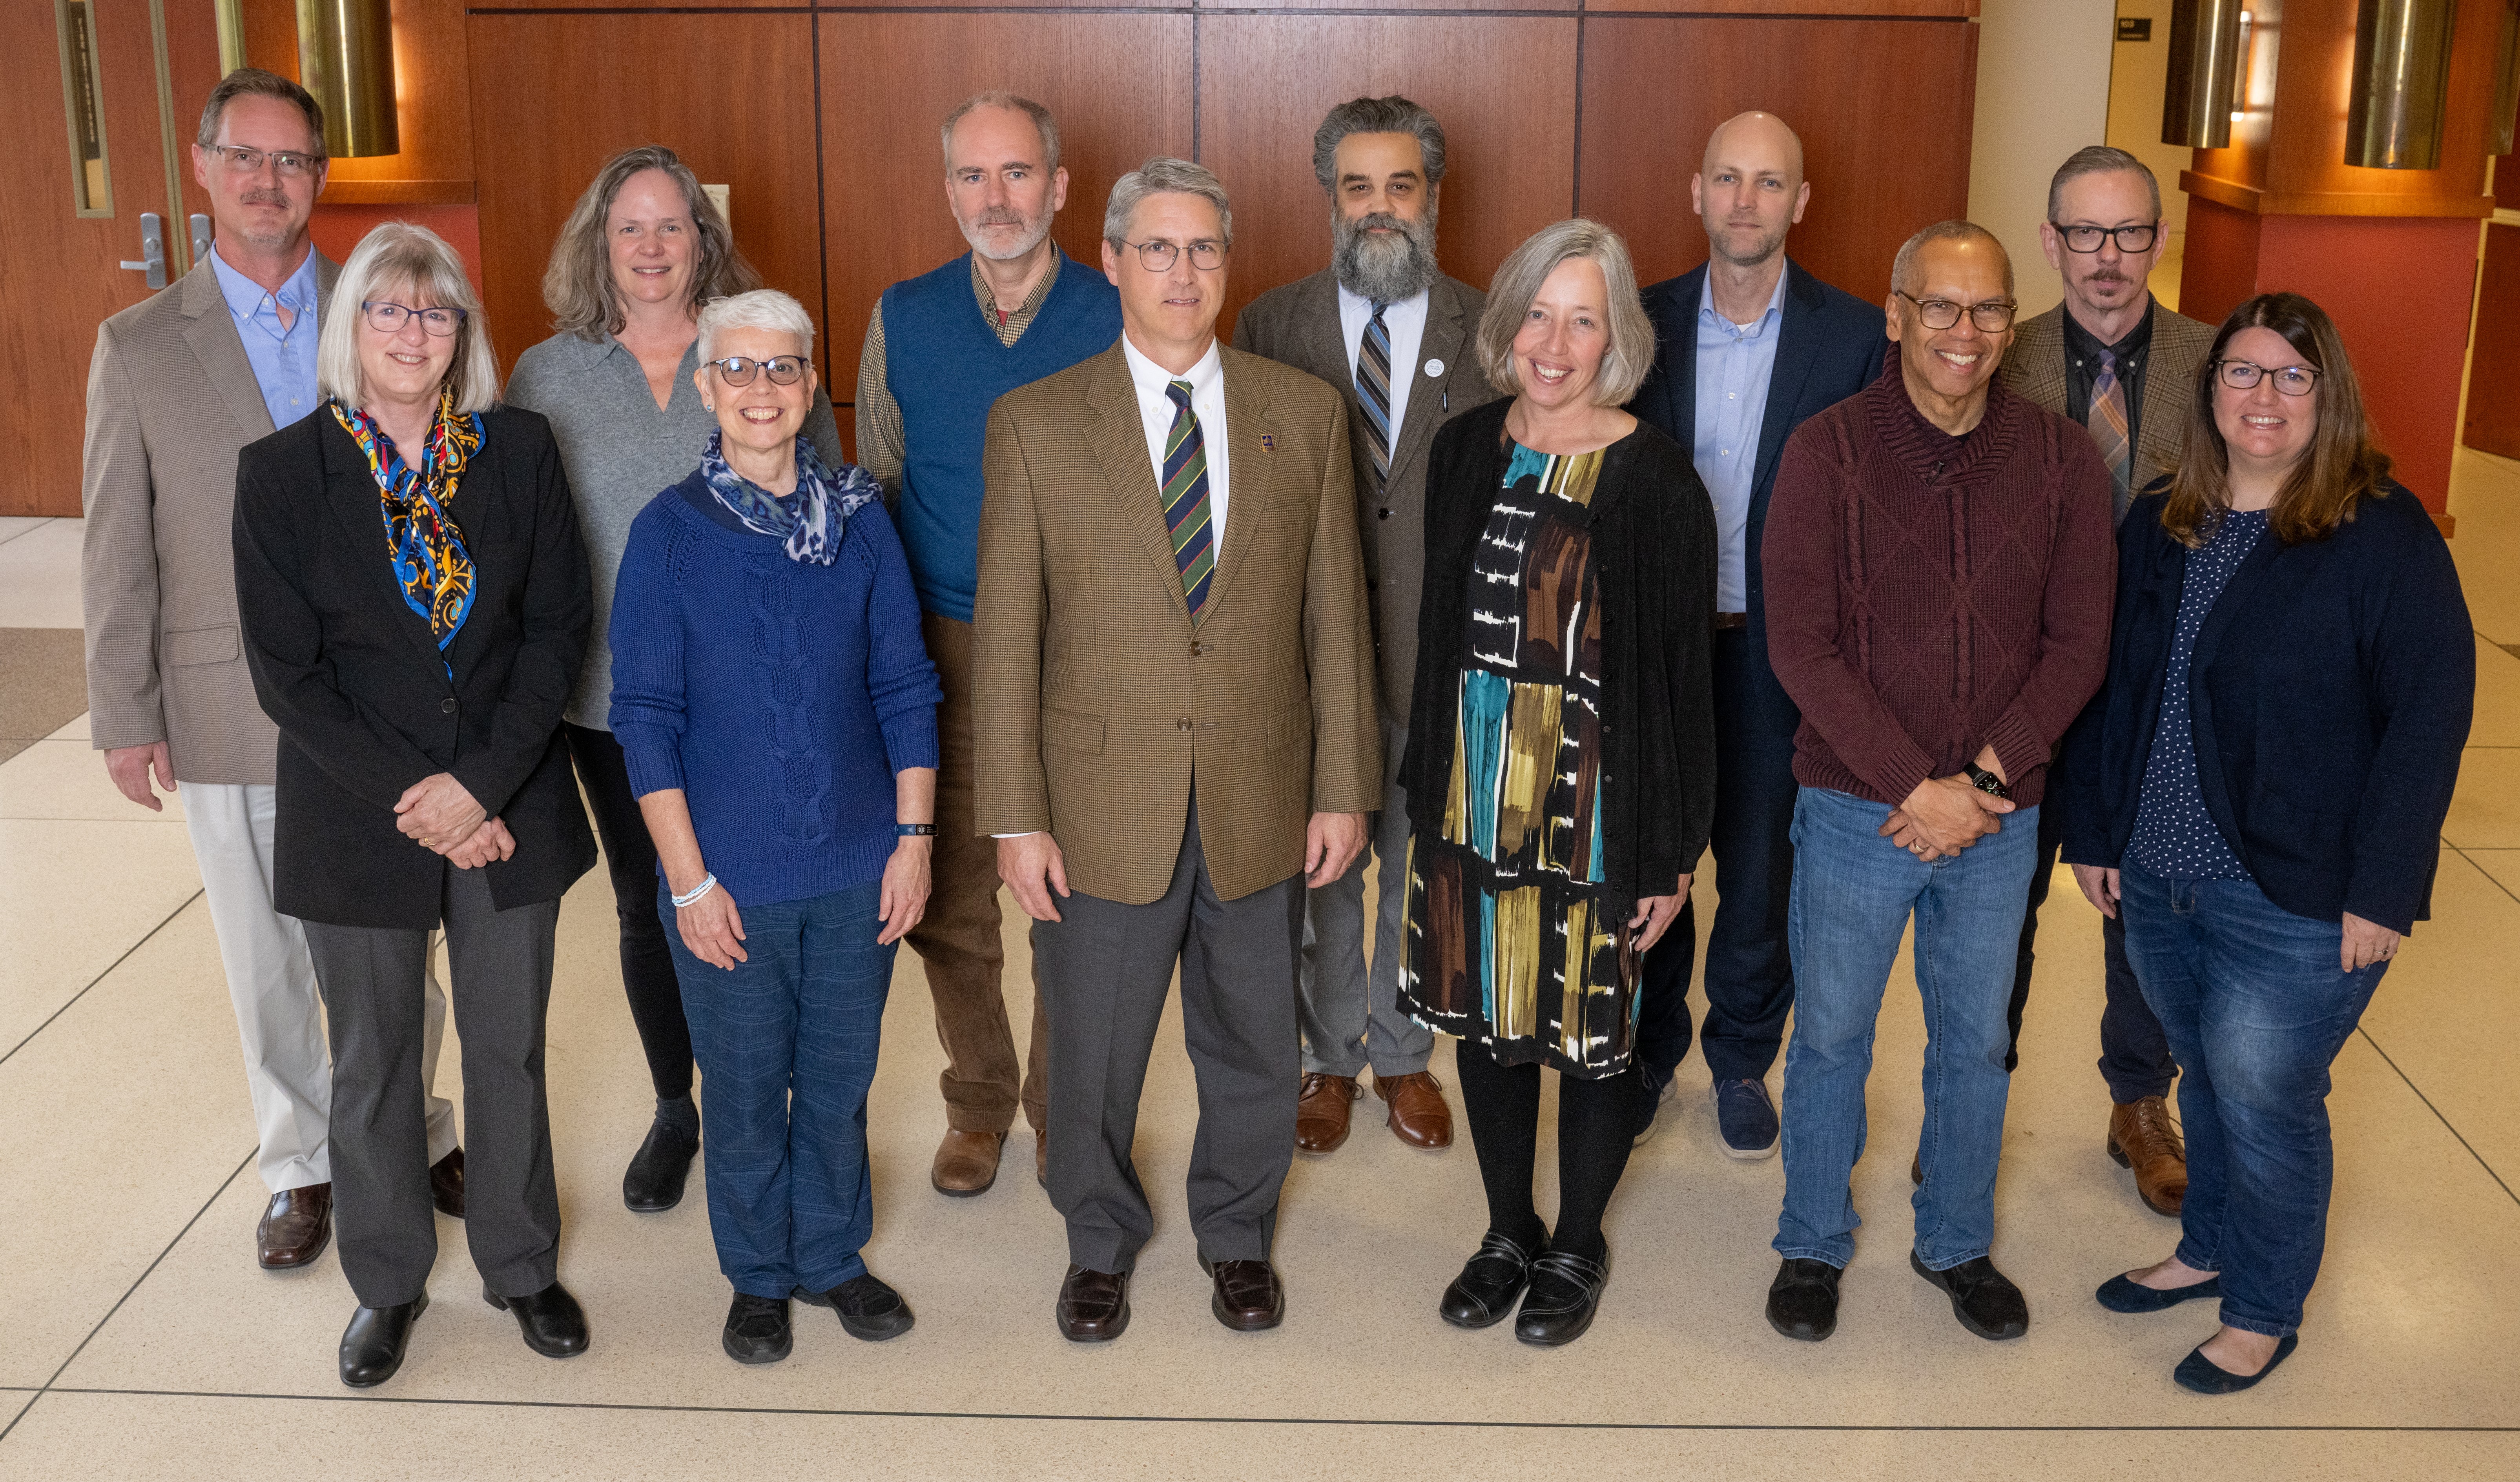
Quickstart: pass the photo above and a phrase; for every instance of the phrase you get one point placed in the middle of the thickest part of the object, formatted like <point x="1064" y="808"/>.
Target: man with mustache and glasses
<point x="939" y="350"/>
<point x="1386" y="325"/>
<point x="2113" y="359"/>
<point x="1749" y="346"/>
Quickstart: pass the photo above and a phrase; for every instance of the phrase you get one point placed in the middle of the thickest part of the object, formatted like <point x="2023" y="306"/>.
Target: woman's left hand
<point x="905" y="887"/>
<point x="2365" y="943"/>
<point x="1655" y="914"/>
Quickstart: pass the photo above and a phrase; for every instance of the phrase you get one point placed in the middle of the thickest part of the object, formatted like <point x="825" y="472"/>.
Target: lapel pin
<point x="1434" y="367"/>
<point x="1269" y="443"/>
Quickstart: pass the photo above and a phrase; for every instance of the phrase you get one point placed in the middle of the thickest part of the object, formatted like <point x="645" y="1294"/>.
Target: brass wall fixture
<point x="345" y="58"/>
<point x="2507" y="83"/>
<point x="2401" y="83"/>
<point x="2204" y="74"/>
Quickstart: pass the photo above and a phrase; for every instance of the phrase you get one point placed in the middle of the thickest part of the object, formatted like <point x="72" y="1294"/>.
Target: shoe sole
<point x="963" y="1194"/>
<point x="1991" y="1335"/>
<point x="867" y="1334"/>
<point x="1821" y="1336"/>
<point x="637" y="1208"/>
<point x="787" y="1346"/>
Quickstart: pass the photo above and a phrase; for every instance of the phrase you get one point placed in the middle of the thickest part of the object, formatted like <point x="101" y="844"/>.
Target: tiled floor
<point x="138" y="1340"/>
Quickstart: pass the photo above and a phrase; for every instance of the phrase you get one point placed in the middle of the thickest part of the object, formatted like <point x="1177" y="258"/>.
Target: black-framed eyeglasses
<point x="246" y="162"/>
<point x="1992" y="315"/>
<point x="1159" y="256"/>
<point x="388" y="318"/>
<point x="738" y="370"/>
<point x="2244" y="375"/>
<point x="2087" y="239"/>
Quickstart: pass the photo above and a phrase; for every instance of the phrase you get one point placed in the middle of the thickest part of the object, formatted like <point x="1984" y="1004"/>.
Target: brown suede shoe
<point x="1418" y="1115"/>
<point x="295" y="1227"/>
<point x="966" y="1163"/>
<point x="1093" y="1305"/>
<point x="1321" y="1111"/>
<point x="446" y="1184"/>
<point x="2142" y="1138"/>
<point x="1249" y="1296"/>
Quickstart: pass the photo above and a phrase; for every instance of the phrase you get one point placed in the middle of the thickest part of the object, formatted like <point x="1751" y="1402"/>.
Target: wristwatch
<point x="1987" y="781"/>
<point x="913" y="831"/>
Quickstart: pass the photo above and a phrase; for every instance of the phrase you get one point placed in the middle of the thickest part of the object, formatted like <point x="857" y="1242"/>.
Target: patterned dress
<point x="1511" y="939"/>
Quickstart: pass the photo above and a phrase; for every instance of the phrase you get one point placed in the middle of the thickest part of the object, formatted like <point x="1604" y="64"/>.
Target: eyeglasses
<point x="388" y="318"/>
<point x="2244" y="375"/>
<point x="737" y="371"/>
<point x="2087" y="239"/>
<point x="292" y="165"/>
<point x="1159" y="256"/>
<point x="1992" y="315"/>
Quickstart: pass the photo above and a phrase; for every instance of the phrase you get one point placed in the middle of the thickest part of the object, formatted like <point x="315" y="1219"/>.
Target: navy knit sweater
<point x="780" y="696"/>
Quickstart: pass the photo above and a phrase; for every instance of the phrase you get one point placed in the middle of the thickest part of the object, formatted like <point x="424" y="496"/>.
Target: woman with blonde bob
<point x="2260" y="788"/>
<point x="413" y="600"/>
<point x="1567" y="632"/>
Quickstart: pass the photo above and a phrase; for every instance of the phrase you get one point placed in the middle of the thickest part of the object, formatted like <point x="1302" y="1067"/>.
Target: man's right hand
<point x="1945" y="815"/>
<point x="130" y="766"/>
<point x="1032" y="867"/>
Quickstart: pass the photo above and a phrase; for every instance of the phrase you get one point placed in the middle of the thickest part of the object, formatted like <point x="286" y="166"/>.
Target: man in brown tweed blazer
<point x="1175" y="722"/>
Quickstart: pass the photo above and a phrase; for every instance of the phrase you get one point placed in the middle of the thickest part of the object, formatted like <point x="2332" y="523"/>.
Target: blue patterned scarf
<point x="810" y="520"/>
<point x="430" y="565"/>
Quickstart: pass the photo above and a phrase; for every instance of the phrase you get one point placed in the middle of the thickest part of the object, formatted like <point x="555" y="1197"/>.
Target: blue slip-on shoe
<point x="1745" y="1120"/>
<point x="2120" y="1294"/>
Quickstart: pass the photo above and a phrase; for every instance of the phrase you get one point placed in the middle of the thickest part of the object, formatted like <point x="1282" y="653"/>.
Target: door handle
<point x="152" y="249"/>
<point x="200" y="226"/>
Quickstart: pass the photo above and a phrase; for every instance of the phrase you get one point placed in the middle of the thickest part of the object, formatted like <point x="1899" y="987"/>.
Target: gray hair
<point x="1518" y="281"/>
<point x="1160" y="176"/>
<point x="254" y="82"/>
<point x="999" y="98"/>
<point x="1394" y="115"/>
<point x="579" y="287"/>
<point x="395" y="254"/>
<point x="2100" y="159"/>
<point x="761" y="309"/>
<point x="1904" y="266"/>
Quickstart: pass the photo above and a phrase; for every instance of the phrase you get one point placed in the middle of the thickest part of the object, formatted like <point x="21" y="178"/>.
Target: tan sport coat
<point x="1096" y="703"/>
<point x="2035" y="368"/>
<point x="170" y="400"/>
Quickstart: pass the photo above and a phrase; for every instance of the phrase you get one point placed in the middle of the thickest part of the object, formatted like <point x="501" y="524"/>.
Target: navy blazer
<point x="2329" y="699"/>
<point x="1830" y="346"/>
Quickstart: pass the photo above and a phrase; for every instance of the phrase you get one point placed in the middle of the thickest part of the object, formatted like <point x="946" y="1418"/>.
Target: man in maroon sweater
<point x="1938" y="594"/>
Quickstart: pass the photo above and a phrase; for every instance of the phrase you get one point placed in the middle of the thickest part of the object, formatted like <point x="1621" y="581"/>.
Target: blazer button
<point x="1383" y="514"/>
<point x="446" y="707"/>
<point x="1182" y="724"/>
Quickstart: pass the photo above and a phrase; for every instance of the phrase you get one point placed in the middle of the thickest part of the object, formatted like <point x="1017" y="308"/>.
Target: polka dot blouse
<point x="2174" y="835"/>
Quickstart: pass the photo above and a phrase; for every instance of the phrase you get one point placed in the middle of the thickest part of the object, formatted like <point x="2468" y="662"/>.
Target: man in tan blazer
<point x="2116" y="361"/>
<point x="1175" y="721"/>
<point x="178" y="386"/>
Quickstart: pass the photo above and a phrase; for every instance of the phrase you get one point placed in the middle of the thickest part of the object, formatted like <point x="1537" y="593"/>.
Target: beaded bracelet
<point x="698" y="890"/>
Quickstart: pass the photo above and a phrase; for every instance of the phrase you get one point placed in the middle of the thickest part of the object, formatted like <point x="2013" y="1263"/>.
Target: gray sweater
<point x="620" y="452"/>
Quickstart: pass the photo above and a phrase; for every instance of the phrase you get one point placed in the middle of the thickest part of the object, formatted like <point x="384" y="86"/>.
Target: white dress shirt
<point x="1207" y="399"/>
<point x="1406" y="319"/>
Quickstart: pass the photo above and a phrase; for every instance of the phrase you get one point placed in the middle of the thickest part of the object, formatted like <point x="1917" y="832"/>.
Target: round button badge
<point x="1434" y="367"/>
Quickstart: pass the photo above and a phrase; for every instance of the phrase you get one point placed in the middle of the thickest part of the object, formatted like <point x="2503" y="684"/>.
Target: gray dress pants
<point x="500" y="971"/>
<point x="1104" y="970"/>
<point x="1351" y="1014"/>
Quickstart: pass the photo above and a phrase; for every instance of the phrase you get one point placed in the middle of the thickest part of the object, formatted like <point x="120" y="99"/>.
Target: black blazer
<point x="2329" y="699"/>
<point x="355" y="680"/>
<point x="1654" y="555"/>
<point x="1830" y="345"/>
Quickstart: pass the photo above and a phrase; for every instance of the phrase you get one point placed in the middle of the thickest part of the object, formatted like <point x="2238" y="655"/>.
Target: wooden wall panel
<point x="1503" y="87"/>
<point x="1885" y="132"/>
<point x="2493" y="422"/>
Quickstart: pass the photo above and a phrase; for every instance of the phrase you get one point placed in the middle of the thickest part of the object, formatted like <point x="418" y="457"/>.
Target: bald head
<point x="1756" y="138"/>
<point x="1749" y="191"/>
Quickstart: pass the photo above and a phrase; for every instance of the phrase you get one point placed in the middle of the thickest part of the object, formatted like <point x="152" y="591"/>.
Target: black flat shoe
<point x="1484" y="1293"/>
<point x="373" y="1345"/>
<point x="2119" y="1294"/>
<point x="868" y="1308"/>
<point x="1983" y="1298"/>
<point x="552" y="1323"/>
<point x="757" y="1329"/>
<point x="2201" y="1375"/>
<point x="1802" y="1302"/>
<point x="655" y="1182"/>
<point x="1566" y="1292"/>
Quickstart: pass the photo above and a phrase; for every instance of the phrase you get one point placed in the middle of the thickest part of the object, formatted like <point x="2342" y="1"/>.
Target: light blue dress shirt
<point x="283" y="359"/>
<point x="1734" y="362"/>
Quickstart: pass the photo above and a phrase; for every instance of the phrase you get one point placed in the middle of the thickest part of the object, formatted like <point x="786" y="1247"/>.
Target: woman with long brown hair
<point x="2259" y="789"/>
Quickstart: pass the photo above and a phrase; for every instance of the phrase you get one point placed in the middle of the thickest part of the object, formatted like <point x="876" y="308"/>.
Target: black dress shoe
<point x="372" y="1346"/>
<point x="1983" y="1298"/>
<point x="757" y="1329"/>
<point x="655" y="1182"/>
<point x="1093" y="1305"/>
<point x="2119" y="1294"/>
<point x="1566" y="1292"/>
<point x="868" y="1308"/>
<point x="1802" y="1302"/>
<point x="1247" y="1295"/>
<point x="446" y="1184"/>
<point x="1490" y="1284"/>
<point x="552" y="1323"/>
<point x="2203" y="1376"/>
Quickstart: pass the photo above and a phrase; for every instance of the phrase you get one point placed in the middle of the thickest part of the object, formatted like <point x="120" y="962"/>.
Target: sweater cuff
<point x="2017" y="747"/>
<point x="655" y="765"/>
<point x="1900" y="771"/>
<point x="909" y="740"/>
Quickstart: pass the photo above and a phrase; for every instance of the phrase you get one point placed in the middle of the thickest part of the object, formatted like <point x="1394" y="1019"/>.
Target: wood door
<point x="2492" y="424"/>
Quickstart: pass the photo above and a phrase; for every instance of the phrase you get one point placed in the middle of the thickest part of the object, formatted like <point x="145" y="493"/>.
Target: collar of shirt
<point x="1405" y="319"/>
<point x="252" y="304"/>
<point x="1009" y="328"/>
<point x="2082" y="346"/>
<point x="1207" y="400"/>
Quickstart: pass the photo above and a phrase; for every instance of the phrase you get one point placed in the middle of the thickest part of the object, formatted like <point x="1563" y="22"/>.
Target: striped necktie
<point x="2108" y="424"/>
<point x="1373" y="392"/>
<point x="1186" y="499"/>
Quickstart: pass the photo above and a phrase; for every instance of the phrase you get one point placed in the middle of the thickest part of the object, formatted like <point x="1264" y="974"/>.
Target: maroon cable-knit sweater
<point x="1928" y="595"/>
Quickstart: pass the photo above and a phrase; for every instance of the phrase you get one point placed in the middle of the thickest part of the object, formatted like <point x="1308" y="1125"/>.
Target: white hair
<point x="401" y="257"/>
<point x="761" y="309"/>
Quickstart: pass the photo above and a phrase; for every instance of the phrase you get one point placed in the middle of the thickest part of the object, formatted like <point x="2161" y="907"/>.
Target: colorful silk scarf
<point x="430" y="565"/>
<point x="810" y="520"/>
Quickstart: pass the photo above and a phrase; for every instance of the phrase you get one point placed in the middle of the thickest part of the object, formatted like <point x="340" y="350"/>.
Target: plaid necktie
<point x="1186" y="499"/>
<point x="2108" y="424"/>
<point x="1373" y="392"/>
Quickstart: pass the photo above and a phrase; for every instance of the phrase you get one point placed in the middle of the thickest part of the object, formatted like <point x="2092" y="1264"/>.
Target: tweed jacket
<point x="2035" y="368"/>
<point x="170" y="400"/>
<point x="1100" y="710"/>
<point x="1298" y="325"/>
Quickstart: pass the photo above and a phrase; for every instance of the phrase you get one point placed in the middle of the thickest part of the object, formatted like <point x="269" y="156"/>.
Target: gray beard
<point x="1032" y="238"/>
<point x="1383" y="269"/>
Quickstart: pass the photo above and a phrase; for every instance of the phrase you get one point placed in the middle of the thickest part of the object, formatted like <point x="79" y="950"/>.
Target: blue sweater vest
<point x="945" y="368"/>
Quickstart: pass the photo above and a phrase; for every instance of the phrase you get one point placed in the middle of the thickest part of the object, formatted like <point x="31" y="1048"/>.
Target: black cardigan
<point x="2329" y="699"/>
<point x="355" y="680"/>
<point x="1653" y="558"/>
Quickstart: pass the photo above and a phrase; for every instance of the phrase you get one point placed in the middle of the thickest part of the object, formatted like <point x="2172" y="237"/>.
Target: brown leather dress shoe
<point x="1249" y="1296"/>
<point x="1093" y="1305"/>
<point x="295" y="1227"/>
<point x="1418" y="1115"/>
<point x="2142" y="1138"/>
<point x="966" y="1163"/>
<point x="446" y="1184"/>
<point x="1321" y="1111"/>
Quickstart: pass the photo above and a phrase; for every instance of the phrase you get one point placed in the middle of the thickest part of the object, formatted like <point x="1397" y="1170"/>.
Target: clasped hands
<point x="440" y="813"/>
<point x="1033" y="866"/>
<point x="1945" y="815"/>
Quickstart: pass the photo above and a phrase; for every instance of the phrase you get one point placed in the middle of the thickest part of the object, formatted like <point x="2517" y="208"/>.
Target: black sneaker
<point x="757" y="1329"/>
<point x="1802" y="1302"/>
<point x="1983" y="1298"/>
<point x="868" y="1308"/>
<point x="1490" y="1284"/>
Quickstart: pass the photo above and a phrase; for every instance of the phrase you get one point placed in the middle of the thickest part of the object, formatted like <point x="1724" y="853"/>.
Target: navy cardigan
<point x="2330" y="694"/>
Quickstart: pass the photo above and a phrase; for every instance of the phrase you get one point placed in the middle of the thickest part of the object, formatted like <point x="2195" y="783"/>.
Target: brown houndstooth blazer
<point x="2035" y="368"/>
<point x="1096" y="703"/>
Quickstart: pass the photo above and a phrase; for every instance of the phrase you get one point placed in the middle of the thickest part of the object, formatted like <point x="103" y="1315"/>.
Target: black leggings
<point x="1597" y="1125"/>
<point x="646" y="964"/>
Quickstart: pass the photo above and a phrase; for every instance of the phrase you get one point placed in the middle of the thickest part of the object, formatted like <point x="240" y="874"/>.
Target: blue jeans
<point x="2257" y="1009"/>
<point x="1853" y="894"/>
<point x="787" y="1050"/>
